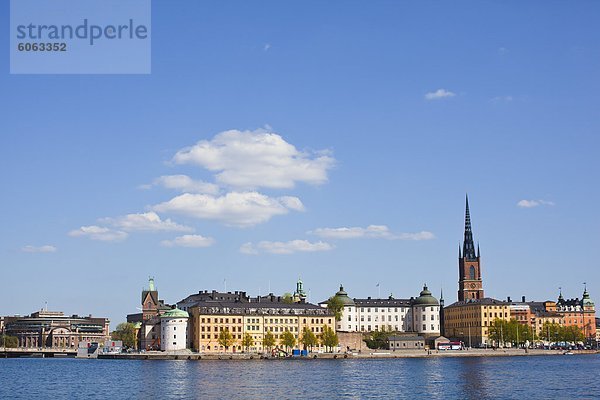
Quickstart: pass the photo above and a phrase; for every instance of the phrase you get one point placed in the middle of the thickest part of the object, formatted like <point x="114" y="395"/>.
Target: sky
<point x="328" y="141"/>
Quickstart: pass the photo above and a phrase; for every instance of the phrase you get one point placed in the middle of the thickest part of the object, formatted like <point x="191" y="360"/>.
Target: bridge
<point x="43" y="352"/>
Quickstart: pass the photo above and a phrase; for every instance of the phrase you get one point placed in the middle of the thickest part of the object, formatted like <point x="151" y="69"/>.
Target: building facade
<point x="420" y="315"/>
<point x="54" y="329"/>
<point x="174" y="326"/>
<point x="240" y="314"/>
<point x="576" y="312"/>
<point x="148" y="321"/>
<point x="469" y="319"/>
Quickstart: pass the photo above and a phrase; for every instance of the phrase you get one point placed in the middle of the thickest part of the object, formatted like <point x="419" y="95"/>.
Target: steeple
<point x="468" y="246"/>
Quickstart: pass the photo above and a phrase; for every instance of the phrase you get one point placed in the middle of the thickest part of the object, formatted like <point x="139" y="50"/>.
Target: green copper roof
<point x="343" y="296"/>
<point x="175" y="313"/>
<point x="425" y="298"/>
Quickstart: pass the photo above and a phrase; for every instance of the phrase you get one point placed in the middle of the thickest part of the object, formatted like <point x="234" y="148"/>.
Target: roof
<point x="486" y="301"/>
<point x="404" y="338"/>
<point x="343" y="297"/>
<point x="175" y="313"/>
<point x="425" y="298"/>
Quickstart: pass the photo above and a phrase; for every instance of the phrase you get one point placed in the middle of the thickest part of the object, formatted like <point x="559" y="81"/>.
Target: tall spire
<point x="468" y="246"/>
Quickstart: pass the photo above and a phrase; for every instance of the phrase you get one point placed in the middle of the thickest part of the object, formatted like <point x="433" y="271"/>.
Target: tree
<point x="287" y="298"/>
<point x="225" y="338"/>
<point x="336" y="306"/>
<point x="309" y="339"/>
<point x="9" y="341"/>
<point x="551" y="331"/>
<point x="247" y="341"/>
<point x="125" y="332"/>
<point x="571" y="334"/>
<point x="288" y="340"/>
<point x="329" y="338"/>
<point x="268" y="340"/>
<point x="377" y="339"/>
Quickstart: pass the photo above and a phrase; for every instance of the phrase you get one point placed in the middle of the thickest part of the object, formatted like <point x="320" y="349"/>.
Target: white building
<point x="173" y="325"/>
<point x="420" y="315"/>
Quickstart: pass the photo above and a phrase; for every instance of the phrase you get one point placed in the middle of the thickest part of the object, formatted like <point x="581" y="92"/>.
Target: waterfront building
<point x="535" y="314"/>
<point x="239" y="314"/>
<point x="576" y="312"/>
<point x="470" y="317"/>
<point x="401" y="342"/>
<point x="173" y="326"/>
<point x="420" y="315"/>
<point x="148" y="321"/>
<point x="54" y="329"/>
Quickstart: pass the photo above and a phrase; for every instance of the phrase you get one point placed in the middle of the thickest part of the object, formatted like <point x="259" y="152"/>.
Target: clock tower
<point x="470" y="285"/>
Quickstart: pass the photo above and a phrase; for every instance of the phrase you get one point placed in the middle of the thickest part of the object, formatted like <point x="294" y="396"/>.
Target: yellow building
<point x="212" y="312"/>
<point x="469" y="321"/>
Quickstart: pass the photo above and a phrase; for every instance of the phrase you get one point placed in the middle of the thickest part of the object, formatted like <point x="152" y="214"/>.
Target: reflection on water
<point x="537" y="377"/>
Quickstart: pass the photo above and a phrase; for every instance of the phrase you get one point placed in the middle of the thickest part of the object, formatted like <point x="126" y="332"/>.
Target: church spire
<point x="468" y="246"/>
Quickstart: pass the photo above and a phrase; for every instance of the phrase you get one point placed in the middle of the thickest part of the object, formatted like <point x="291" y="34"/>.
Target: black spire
<point x="468" y="246"/>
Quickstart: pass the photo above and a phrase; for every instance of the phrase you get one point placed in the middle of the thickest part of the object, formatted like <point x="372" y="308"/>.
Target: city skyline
<point x="288" y="143"/>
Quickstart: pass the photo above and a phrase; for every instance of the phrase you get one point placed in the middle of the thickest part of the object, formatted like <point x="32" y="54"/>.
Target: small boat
<point x="568" y="353"/>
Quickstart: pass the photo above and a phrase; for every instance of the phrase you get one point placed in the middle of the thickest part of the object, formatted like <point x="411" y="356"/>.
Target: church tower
<point x="469" y="264"/>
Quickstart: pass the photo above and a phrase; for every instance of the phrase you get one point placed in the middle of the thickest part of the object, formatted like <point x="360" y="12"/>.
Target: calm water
<point x="542" y="377"/>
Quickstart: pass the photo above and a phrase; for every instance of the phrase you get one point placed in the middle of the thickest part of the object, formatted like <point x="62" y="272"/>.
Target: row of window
<point x="388" y="309"/>
<point x="269" y="320"/>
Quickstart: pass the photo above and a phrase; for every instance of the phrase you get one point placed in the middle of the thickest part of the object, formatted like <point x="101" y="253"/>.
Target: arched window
<point x="471" y="272"/>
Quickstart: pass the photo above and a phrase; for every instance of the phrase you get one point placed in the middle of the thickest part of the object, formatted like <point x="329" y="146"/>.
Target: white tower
<point x="173" y="330"/>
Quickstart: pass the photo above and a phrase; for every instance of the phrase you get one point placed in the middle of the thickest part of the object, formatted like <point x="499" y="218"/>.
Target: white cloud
<point x="248" y="248"/>
<point x="501" y="99"/>
<point x="502" y="51"/>
<point x="99" y="233"/>
<point x="189" y="241"/>
<point x="439" y="94"/>
<point x="371" y="231"/>
<point x="184" y="183"/>
<point x="234" y="208"/>
<point x="38" y="249"/>
<point x="252" y="159"/>
<point x="267" y="46"/>
<point x="293" y="246"/>
<point x="534" y="203"/>
<point x="147" y="222"/>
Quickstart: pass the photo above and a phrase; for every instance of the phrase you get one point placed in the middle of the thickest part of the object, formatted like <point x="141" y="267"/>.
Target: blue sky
<point x="340" y="115"/>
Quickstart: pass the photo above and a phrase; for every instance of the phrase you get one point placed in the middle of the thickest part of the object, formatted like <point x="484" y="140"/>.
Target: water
<point x="540" y="377"/>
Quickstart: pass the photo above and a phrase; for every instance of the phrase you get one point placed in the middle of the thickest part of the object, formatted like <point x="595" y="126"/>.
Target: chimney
<point x="508" y="299"/>
<point x="523" y="299"/>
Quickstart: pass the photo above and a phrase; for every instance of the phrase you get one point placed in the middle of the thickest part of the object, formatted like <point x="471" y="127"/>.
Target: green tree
<point x="287" y="298"/>
<point x="225" y="339"/>
<point x="335" y="305"/>
<point x="551" y="331"/>
<point x="288" y="340"/>
<point x="9" y="341"/>
<point x="329" y="338"/>
<point x="309" y="339"/>
<point x="268" y="341"/>
<point x="247" y="341"/>
<point x="125" y="332"/>
<point x="571" y="334"/>
<point x="377" y="339"/>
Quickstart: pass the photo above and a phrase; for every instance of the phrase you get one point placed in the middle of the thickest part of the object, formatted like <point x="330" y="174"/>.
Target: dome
<point x="343" y="297"/>
<point x="425" y="298"/>
<point x="175" y="313"/>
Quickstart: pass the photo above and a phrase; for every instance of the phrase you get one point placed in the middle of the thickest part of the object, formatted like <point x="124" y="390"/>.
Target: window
<point x="471" y="272"/>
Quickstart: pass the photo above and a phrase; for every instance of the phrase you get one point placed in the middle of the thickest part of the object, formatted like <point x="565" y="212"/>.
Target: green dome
<point x="343" y="297"/>
<point x="175" y="313"/>
<point x="425" y="298"/>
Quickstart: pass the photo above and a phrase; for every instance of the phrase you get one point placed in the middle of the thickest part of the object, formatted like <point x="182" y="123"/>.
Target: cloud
<point x="38" y="249"/>
<point x="99" y="233"/>
<point x="502" y="51"/>
<point x="371" y="231"/>
<point x="501" y="99"/>
<point x="293" y="246"/>
<point x="253" y="159"/>
<point x="439" y="94"/>
<point x="183" y="183"/>
<point x="248" y="248"/>
<point x="145" y="222"/>
<point x="234" y="208"/>
<point x="534" y="203"/>
<point x="267" y="46"/>
<point x="189" y="241"/>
